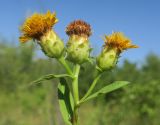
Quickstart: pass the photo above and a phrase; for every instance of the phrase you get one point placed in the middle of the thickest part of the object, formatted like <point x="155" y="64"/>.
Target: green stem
<point x="63" y="62"/>
<point x="75" y="94"/>
<point x="75" y="116"/>
<point x="75" y="84"/>
<point x="91" y="87"/>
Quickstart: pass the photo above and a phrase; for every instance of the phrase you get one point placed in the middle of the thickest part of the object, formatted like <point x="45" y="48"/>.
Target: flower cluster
<point x="38" y="27"/>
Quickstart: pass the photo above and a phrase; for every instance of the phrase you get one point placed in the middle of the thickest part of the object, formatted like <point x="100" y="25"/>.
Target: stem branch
<point x="75" y="84"/>
<point x="75" y="93"/>
<point x="91" y="87"/>
<point x="63" y="62"/>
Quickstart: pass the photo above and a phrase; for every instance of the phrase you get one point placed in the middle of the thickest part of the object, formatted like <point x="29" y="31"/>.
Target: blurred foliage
<point x="21" y="104"/>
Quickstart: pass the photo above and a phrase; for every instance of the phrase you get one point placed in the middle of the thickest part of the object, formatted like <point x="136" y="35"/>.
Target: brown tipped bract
<point x="78" y="27"/>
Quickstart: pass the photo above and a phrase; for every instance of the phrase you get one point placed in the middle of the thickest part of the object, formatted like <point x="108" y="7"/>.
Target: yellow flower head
<point x="37" y="25"/>
<point x="118" y="41"/>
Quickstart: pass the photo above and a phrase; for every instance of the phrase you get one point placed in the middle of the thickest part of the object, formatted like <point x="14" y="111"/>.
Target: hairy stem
<point x="75" y="94"/>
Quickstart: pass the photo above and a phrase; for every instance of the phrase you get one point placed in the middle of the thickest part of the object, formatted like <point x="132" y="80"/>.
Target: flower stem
<point x="75" y="116"/>
<point x="91" y="87"/>
<point x="63" y="62"/>
<point x="75" y="93"/>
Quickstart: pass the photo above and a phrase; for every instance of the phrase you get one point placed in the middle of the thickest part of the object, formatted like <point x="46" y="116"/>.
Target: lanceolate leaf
<point x="48" y="77"/>
<point x="107" y="89"/>
<point x="65" y="101"/>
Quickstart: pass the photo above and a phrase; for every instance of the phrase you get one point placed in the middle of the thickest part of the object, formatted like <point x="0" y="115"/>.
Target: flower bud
<point x="78" y="48"/>
<point x="115" y="44"/>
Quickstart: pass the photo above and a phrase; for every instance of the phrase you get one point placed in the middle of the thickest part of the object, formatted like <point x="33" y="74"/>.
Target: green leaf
<point x="48" y="77"/>
<point x="65" y="101"/>
<point x="107" y="89"/>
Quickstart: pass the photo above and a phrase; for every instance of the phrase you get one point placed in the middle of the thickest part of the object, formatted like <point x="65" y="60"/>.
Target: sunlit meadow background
<point x="136" y="104"/>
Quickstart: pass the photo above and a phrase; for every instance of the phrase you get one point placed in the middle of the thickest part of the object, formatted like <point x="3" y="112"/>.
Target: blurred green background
<point x="21" y="104"/>
<point x="135" y="104"/>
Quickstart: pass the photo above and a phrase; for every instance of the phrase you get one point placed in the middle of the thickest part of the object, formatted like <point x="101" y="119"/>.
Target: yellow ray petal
<point x="37" y="25"/>
<point x="118" y="41"/>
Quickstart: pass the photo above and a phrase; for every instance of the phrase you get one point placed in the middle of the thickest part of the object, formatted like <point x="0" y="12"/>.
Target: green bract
<point x="52" y="45"/>
<point x="78" y="49"/>
<point x="107" y="59"/>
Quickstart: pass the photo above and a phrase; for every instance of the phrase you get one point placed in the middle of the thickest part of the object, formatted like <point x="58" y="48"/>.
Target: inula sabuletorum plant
<point x="38" y="28"/>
